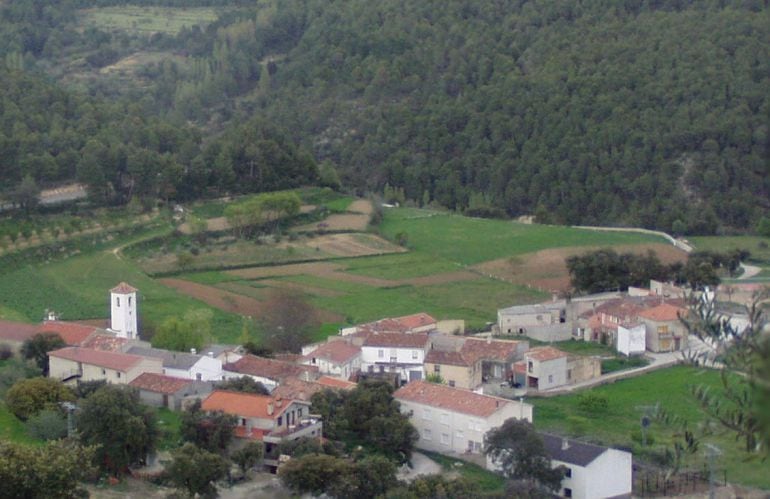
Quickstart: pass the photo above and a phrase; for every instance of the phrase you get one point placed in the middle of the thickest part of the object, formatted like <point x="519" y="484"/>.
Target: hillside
<point x="648" y="114"/>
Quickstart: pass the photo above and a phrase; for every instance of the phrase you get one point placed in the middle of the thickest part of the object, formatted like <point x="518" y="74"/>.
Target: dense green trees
<point x="195" y="470"/>
<point x="37" y="348"/>
<point x="27" y="397"/>
<point x="211" y="431"/>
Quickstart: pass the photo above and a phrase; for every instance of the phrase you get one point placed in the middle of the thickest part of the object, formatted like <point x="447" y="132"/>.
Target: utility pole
<point x="712" y="452"/>
<point x="646" y="420"/>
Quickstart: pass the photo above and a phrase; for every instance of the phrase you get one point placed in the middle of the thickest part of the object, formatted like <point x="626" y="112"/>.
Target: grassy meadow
<point x="628" y="399"/>
<point x="136" y="19"/>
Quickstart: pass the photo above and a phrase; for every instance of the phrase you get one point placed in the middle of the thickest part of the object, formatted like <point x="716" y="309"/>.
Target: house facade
<point x="335" y="358"/>
<point x="665" y="331"/>
<point x="269" y="372"/>
<point x="550" y="321"/>
<point x="70" y="364"/>
<point x="159" y="390"/>
<point x="399" y="353"/>
<point x="454" y="421"/>
<point x="592" y="471"/>
<point x="468" y="362"/>
<point x="543" y="368"/>
<point x="183" y="365"/>
<point x="632" y="339"/>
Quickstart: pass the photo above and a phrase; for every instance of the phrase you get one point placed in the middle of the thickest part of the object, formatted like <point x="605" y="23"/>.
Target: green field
<point x="485" y="480"/>
<point x="472" y="240"/>
<point x="758" y="246"/>
<point x="627" y="399"/>
<point x="399" y="265"/>
<point x="12" y="429"/>
<point x="135" y="19"/>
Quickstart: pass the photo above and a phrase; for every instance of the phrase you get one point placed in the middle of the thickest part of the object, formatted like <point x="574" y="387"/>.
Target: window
<point x="567" y="492"/>
<point x="129" y="301"/>
<point x="313" y="361"/>
<point x="426" y="435"/>
<point x="445" y="438"/>
<point x="243" y="421"/>
<point x="477" y="446"/>
<point x="550" y="378"/>
<point x="118" y="375"/>
<point x="414" y="354"/>
<point x="104" y="371"/>
<point x="299" y="412"/>
<point x="280" y="420"/>
<point x="117" y="301"/>
<point x="452" y="382"/>
<point x="530" y="366"/>
<point x="426" y="414"/>
<point x="198" y="376"/>
<point x="380" y="354"/>
<point x="569" y="373"/>
<point x="568" y="473"/>
<point x="459" y="434"/>
<point x="437" y="368"/>
<point x="445" y="419"/>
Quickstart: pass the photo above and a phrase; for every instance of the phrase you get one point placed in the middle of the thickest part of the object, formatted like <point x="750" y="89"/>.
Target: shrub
<point x="5" y="351"/>
<point x="30" y="396"/>
<point x="47" y="425"/>
<point x="636" y="436"/>
<point x="593" y="403"/>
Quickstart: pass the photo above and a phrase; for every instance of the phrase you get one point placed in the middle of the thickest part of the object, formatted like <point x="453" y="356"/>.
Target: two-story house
<point x="542" y="368"/>
<point x="336" y="358"/>
<point x="269" y="372"/>
<point x="468" y="362"/>
<point x="70" y="364"/>
<point x="665" y="331"/>
<point x="592" y="471"/>
<point x="267" y="418"/>
<point x="399" y="353"/>
<point x="454" y="421"/>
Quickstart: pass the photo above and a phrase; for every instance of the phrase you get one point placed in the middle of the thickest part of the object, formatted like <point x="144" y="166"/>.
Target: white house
<point x="632" y="339"/>
<point x="402" y="353"/>
<point x="452" y="420"/>
<point x="592" y="471"/>
<point x="124" y="313"/>
<point x="336" y="358"/>
<point x="183" y="365"/>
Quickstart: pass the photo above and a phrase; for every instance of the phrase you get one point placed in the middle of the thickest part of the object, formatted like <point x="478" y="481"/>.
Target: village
<point x="454" y="388"/>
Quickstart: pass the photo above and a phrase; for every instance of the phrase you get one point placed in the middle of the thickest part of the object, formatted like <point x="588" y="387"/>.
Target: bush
<point x="28" y="397"/>
<point x="47" y="425"/>
<point x="593" y="403"/>
<point x="249" y="456"/>
<point x="636" y="436"/>
<point x="5" y="352"/>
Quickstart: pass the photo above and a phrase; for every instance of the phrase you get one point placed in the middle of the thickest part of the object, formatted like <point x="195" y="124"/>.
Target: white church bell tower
<point x="124" y="315"/>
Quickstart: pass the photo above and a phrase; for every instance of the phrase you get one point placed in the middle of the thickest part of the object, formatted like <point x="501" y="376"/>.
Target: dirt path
<point x="219" y="298"/>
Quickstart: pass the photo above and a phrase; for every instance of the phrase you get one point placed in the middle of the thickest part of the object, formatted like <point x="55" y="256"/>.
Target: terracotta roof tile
<point x="111" y="360"/>
<point x="397" y="340"/>
<point x="415" y="321"/>
<point x="71" y="332"/>
<point x="339" y="352"/>
<point x="450" y="358"/>
<point x="159" y="383"/>
<point x="16" y="331"/>
<point x="107" y="342"/>
<point x="246" y="405"/>
<point x="476" y="348"/>
<point x="543" y="354"/>
<point x="332" y="382"/>
<point x="452" y="399"/>
<point x="270" y="368"/>
<point x="124" y="289"/>
<point x="663" y="312"/>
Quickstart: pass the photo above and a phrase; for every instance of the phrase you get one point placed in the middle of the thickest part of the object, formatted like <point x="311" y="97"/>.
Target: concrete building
<point x="400" y="353"/>
<point x="543" y="368"/>
<point x="336" y="358"/>
<point x="159" y="390"/>
<point x="664" y="329"/>
<point x="454" y="421"/>
<point x="592" y="471"/>
<point x="183" y="365"/>
<point x="464" y="362"/>
<point x="632" y="339"/>
<point x="70" y="364"/>
<point x="269" y="372"/>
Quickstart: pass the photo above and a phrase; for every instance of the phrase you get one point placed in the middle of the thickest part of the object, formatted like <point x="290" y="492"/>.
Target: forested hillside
<point x="651" y="113"/>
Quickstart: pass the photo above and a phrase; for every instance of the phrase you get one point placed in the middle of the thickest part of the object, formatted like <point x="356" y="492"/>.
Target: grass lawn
<point x="78" y="287"/>
<point x="472" y="240"/>
<point x="137" y="19"/>
<point x="474" y="301"/>
<point x="627" y="398"/>
<point x="12" y="429"/>
<point x="169" y="423"/>
<point x="399" y="265"/>
<point x="727" y="243"/>
<point x="485" y="480"/>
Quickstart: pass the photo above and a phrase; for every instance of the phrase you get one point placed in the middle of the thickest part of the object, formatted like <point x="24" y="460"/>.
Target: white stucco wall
<point x="123" y="316"/>
<point x="609" y="475"/>
<point x="632" y="341"/>
<point x="550" y="373"/>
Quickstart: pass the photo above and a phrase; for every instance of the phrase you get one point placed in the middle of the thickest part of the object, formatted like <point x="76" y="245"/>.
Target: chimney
<point x="211" y="354"/>
<point x="270" y="409"/>
<point x="278" y="402"/>
<point x="564" y="444"/>
<point x="193" y="351"/>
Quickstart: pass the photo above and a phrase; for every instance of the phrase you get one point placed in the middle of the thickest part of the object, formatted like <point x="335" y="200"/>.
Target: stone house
<point x="336" y="358"/>
<point x="664" y="329"/>
<point x="70" y="364"/>
<point x="183" y="365"/>
<point x="159" y="390"/>
<point x="465" y="362"/>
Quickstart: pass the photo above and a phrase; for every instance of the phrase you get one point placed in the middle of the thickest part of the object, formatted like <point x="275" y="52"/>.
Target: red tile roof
<point x="402" y="324"/>
<point x="415" y="321"/>
<point x="296" y="389"/>
<point x="473" y="350"/>
<point x="71" y="332"/>
<point x="331" y="382"/>
<point x="270" y="368"/>
<point x="124" y="289"/>
<point x="664" y="312"/>
<point x="16" y="331"/>
<point x="338" y="352"/>
<point x="111" y="360"/>
<point x="107" y="342"/>
<point x="397" y="340"/>
<point x="543" y="354"/>
<point x="159" y="383"/>
<point x="449" y="358"/>
<point x="246" y="405"/>
<point x="452" y="399"/>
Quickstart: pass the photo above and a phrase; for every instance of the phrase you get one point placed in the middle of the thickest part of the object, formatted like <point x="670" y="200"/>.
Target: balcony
<point x="310" y="427"/>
